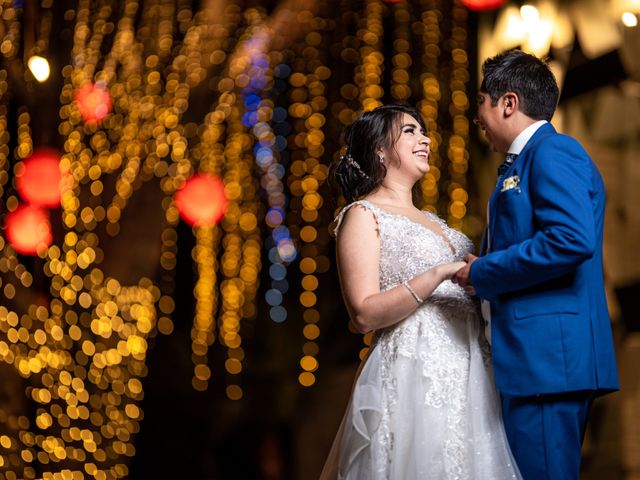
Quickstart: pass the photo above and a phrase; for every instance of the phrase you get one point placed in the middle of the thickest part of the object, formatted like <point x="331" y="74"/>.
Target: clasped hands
<point x="462" y="277"/>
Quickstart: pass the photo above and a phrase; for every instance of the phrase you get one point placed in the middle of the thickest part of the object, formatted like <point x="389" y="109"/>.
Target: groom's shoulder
<point x="556" y="141"/>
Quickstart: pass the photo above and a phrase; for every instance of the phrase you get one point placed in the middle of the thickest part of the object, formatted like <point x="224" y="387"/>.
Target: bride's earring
<point x="381" y="158"/>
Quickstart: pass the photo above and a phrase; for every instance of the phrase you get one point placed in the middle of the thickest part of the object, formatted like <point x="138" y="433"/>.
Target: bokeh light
<point x="226" y="118"/>
<point x="38" y="178"/>
<point x="39" y="67"/>
<point x="28" y="229"/>
<point x="93" y="100"/>
<point x="202" y="200"/>
<point x="481" y="5"/>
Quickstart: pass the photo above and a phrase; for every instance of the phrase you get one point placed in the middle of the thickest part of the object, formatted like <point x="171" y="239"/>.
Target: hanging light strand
<point x="209" y="152"/>
<point x="240" y="262"/>
<point x="458" y="153"/>
<point x="431" y="37"/>
<point x="206" y="34"/>
<point x="4" y="140"/>
<point x="105" y="322"/>
<point x="348" y="44"/>
<point x="309" y="102"/>
<point x="262" y="117"/>
<point x="368" y="75"/>
<point x="400" y="87"/>
<point x="368" y="79"/>
<point x="12" y="23"/>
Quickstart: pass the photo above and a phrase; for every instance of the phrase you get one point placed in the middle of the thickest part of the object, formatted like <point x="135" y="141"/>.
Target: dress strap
<point x="363" y="203"/>
<point x="435" y="217"/>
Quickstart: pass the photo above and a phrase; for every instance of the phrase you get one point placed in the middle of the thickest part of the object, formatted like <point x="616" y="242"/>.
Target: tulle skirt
<point x="398" y="427"/>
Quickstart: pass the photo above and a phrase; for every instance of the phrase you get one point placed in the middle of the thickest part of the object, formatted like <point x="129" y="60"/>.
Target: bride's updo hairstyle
<point x="361" y="169"/>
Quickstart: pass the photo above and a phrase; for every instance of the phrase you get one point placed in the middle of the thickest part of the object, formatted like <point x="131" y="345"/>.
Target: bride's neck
<point x="392" y="193"/>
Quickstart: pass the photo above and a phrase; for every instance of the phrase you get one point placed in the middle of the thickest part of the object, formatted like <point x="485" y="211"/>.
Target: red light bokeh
<point x="480" y="5"/>
<point x="38" y="178"/>
<point x="28" y="229"/>
<point x="202" y="200"/>
<point x="93" y="101"/>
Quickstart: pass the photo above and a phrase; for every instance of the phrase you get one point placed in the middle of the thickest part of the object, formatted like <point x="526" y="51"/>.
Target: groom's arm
<point x="561" y="186"/>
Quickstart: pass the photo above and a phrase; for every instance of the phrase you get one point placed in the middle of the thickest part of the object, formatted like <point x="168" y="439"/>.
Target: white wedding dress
<point x="424" y="405"/>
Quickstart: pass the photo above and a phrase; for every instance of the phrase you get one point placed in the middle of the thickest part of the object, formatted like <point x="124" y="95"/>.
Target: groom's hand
<point x="462" y="277"/>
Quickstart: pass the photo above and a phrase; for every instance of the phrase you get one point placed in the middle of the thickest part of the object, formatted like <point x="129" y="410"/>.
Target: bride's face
<point x="410" y="154"/>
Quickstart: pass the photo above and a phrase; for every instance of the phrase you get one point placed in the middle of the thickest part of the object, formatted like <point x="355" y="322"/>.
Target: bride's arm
<point x="358" y="256"/>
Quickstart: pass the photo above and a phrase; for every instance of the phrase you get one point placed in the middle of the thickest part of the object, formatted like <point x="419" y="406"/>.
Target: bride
<point x="424" y="405"/>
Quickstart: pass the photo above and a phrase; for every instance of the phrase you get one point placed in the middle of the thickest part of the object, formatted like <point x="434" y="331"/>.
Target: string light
<point x="28" y="229"/>
<point x="25" y="144"/>
<point x="276" y="213"/>
<point x="4" y="136"/>
<point x="428" y="106"/>
<point x="209" y="151"/>
<point x="240" y="260"/>
<point x="308" y="97"/>
<point x="12" y="19"/>
<point x="38" y="178"/>
<point x="629" y="19"/>
<point x="368" y="79"/>
<point x="264" y="118"/>
<point x="88" y="400"/>
<point x="275" y="116"/>
<point x="368" y="74"/>
<point x="39" y="66"/>
<point x="457" y="144"/>
<point x="400" y="87"/>
<point x="345" y="110"/>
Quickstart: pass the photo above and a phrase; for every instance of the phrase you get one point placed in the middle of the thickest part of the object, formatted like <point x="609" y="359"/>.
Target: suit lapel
<point x="493" y="210"/>
<point x="484" y="245"/>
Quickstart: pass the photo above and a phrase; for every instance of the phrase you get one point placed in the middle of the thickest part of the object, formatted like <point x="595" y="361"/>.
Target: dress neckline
<point x="442" y="236"/>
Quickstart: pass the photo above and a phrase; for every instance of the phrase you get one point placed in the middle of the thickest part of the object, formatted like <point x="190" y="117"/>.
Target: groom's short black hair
<point x="527" y="76"/>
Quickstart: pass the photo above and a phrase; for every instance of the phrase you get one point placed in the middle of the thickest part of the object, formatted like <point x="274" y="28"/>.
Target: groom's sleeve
<point x="561" y="186"/>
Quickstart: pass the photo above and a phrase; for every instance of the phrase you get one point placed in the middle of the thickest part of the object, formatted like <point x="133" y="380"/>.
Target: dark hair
<point x="527" y="76"/>
<point x="359" y="171"/>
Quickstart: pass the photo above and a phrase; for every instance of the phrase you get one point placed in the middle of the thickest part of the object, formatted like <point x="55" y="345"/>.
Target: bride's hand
<point x="448" y="270"/>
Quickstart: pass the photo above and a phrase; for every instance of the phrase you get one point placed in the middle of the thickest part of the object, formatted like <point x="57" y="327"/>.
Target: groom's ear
<point x="510" y="103"/>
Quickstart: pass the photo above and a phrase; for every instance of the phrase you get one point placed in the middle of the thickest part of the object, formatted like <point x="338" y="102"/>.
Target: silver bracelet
<point x="413" y="293"/>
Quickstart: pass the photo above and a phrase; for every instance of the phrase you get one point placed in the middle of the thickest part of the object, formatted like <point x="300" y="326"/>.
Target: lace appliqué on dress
<point x="421" y="368"/>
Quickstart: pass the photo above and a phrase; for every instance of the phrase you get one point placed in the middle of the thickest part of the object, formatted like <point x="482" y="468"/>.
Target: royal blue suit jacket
<point x="542" y="273"/>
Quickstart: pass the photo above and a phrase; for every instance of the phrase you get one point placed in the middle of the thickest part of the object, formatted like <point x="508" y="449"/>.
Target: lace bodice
<point x="408" y="248"/>
<point x="425" y="374"/>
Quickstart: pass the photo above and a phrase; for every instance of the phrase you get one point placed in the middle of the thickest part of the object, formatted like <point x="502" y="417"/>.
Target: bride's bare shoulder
<point x="358" y="216"/>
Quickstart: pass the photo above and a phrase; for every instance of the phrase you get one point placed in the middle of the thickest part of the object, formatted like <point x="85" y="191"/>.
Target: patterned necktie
<point x="505" y="165"/>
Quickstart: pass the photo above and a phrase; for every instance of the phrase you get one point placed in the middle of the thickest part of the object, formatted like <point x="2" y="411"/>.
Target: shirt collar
<point x="524" y="136"/>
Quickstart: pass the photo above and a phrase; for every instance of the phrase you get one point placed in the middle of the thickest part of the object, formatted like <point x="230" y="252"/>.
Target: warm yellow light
<point x="306" y="379"/>
<point x="529" y="14"/>
<point x="509" y="29"/>
<point x="629" y="19"/>
<point x="39" y="66"/>
<point x="539" y="39"/>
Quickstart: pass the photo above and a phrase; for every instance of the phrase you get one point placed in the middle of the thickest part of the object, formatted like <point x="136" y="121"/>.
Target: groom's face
<point x="491" y="119"/>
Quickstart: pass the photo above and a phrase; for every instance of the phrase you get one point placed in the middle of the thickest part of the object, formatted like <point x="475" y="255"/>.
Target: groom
<point x="540" y="271"/>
